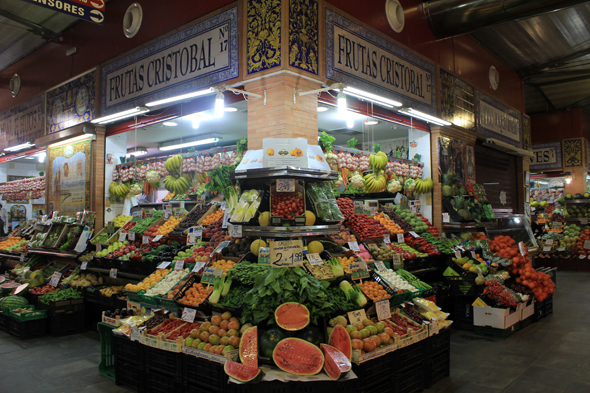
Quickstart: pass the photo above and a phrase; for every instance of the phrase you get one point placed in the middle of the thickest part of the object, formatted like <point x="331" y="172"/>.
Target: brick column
<point x="97" y="178"/>
<point x="281" y="117"/>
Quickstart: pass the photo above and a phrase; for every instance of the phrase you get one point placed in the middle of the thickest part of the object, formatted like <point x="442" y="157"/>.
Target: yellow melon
<point x="264" y="219"/>
<point x="309" y="218"/>
<point x="256" y="244"/>
<point x="315" y="247"/>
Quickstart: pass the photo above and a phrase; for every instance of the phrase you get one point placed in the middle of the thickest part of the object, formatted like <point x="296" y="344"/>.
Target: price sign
<point x="549" y="242"/>
<point x="400" y="238"/>
<point x="113" y="273"/>
<point x="586" y="244"/>
<point x="446" y="217"/>
<point x="473" y="255"/>
<point x="148" y="213"/>
<point x="264" y="256"/>
<point x="122" y="236"/>
<point x="285" y="185"/>
<point x="286" y="253"/>
<point x="135" y="334"/>
<point x="199" y="266"/>
<point x="98" y="247"/>
<point x="380" y="266"/>
<point x="188" y="314"/>
<point x="583" y="221"/>
<point x="178" y="211"/>
<point x="146" y="240"/>
<point x="157" y="238"/>
<point x="398" y="262"/>
<point x="136" y="217"/>
<point x="210" y="275"/>
<point x="220" y="247"/>
<point x="414" y="234"/>
<point x="560" y="249"/>
<point x="546" y="249"/>
<point x="55" y="279"/>
<point x="234" y="230"/>
<point x="354" y="246"/>
<point x="83" y="265"/>
<point x="386" y="239"/>
<point x="179" y="265"/>
<point x="383" y="310"/>
<point x="22" y="257"/>
<point x="226" y="217"/>
<point x="457" y="254"/>
<point x="359" y="271"/>
<point x="195" y="234"/>
<point x="522" y="249"/>
<point x="25" y="270"/>
<point x="168" y="211"/>
<point x="163" y="265"/>
<point x="357" y="316"/>
<point x="131" y="236"/>
<point x="582" y="256"/>
<point x="314" y="259"/>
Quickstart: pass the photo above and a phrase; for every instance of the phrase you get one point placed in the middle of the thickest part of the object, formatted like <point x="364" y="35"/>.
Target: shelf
<point x="54" y="253"/>
<point x="577" y="219"/>
<point x="119" y="274"/>
<point x="286" y="171"/>
<point x="293" y="231"/>
<point x="163" y="203"/>
<point x="468" y="226"/>
<point x="577" y="201"/>
<point x="11" y="256"/>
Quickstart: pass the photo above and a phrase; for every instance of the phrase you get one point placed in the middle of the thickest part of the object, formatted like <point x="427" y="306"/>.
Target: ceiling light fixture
<point x="42" y="156"/>
<point x="322" y="108"/>
<point x="138" y="151"/>
<point x="230" y="109"/>
<point x="219" y="105"/>
<point x="180" y="97"/>
<point x="423" y="116"/>
<point x="371" y="122"/>
<point x="377" y="99"/>
<point x="341" y="99"/>
<point x="20" y="147"/>
<point x="170" y="123"/>
<point x="196" y="123"/>
<point x="188" y="142"/>
<point x="29" y="158"/>
<point x="138" y="110"/>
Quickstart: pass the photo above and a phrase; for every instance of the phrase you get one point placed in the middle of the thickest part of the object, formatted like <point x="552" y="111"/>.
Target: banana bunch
<point x="174" y="164"/>
<point x="375" y="183"/>
<point x="423" y="186"/>
<point x="118" y="190"/>
<point x="178" y="185"/>
<point x="378" y="161"/>
<point x="202" y="177"/>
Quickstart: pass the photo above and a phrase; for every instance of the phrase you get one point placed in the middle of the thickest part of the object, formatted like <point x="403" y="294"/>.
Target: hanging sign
<point x="85" y="10"/>
<point x="498" y="121"/>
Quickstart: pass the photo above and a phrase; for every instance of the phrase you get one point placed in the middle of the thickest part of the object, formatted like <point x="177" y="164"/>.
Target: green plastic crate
<point x="106" y="366"/>
<point x="39" y="314"/>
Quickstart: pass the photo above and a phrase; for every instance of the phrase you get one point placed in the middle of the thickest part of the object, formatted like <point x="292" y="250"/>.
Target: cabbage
<point x="153" y="177"/>
<point x="357" y="181"/>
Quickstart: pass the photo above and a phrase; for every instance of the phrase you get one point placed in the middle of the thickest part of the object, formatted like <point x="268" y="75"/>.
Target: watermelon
<point x="312" y="335"/>
<point x="292" y="316"/>
<point x="340" y="339"/>
<point x="12" y="301"/>
<point x="249" y="347"/>
<point x="297" y="356"/>
<point x="336" y="363"/>
<point x="241" y="372"/>
<point x="269" y="340"/>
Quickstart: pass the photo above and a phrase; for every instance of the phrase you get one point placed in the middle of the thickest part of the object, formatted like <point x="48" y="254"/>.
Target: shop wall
<point x="18" y="169"/>
<point x="547" y="127"/>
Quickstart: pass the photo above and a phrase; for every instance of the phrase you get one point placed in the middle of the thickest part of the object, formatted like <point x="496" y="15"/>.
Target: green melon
<point x="311" y="335"/>
<point x="269" y="340"/>
<point x="12" y="301"/>
<point x="447" y="191"/>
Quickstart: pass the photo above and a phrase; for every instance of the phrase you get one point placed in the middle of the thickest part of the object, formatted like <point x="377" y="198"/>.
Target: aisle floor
<point x="549" y="356"/>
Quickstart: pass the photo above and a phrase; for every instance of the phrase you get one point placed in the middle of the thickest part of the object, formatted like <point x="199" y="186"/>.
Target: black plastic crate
<point x="494" y="332"/>
<point x="3" y="322"/>
<point x="369" y="386"/>
<point x="407" y="357"/>
<point x="129" y="375"/>
<point x="438" y="343"/>
<point x="462" y="314"/>
<point x="375" y="370"/>
<point x="131" y="352"/>
<point x="158" y="382"/>
<point x="204" y="373"/>
<point x="549" y="305"/>
<point x="409" y="380"/>
<point x="262" y="387"/>
<point x="437" y="368"/>
<point x="70" y="306"/>
<point x="526" y="322"/>
<point x="27" y="329"/>
<point x="63" y="325"/>
<point x="168" y="363"/>
<point x="324" y="386"/>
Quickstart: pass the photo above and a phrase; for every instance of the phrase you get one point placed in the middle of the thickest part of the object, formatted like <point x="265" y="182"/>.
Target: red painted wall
<point x="49" y="66"/>
<point x="548" y="127"/>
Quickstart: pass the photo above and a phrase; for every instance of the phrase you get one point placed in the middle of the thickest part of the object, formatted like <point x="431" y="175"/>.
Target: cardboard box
<point x="526" y="312"/>
<point x="499" y="318"/>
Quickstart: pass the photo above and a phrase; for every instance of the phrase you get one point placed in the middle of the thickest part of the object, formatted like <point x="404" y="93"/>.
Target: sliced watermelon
<point x="336" y="364"/>
<point x="242" y="372"/>
<point x="249" y="347"/>
<point x="297" y="356"/>
<point x="292" y="316"/>
<point x="340" y="339"/>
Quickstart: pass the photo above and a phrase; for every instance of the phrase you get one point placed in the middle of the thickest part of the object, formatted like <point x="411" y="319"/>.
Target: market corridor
<point x="552" y="355"/>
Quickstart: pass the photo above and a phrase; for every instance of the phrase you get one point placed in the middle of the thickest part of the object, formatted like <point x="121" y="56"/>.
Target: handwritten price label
<point x="357" y="316"/>
<point x="549" y="242"/>
<point x="354" y="246"/>
<point x="386" y="239"/>
<point x="226" y="217"/>
<point x="131" y="236"/>
<point x="122" y="236"/>
<point x="146" y="240"/>
<point x="380" y="266"/>
<point x="285" y="185"/>
<point x="179" y="265"/>
<point x="414" y="234"/>
<point x="383" y="310"/>
<point x="234" y="230"/>
<point x="199" y="266"/>
<point x="188" y="314"/>
<point x="83" y="265"/>
<point x="286" y="253"/>
<point x="400" y="238"/>
<point x="314" y="259"/>
<point x="157" y="238"/>
<point x="546" y="249"/>
<point x="55" y="279"/>
<point x="195" y="234"/>
<point x="113" y="273"/>
<point x="446" y="217"/>
<point x="163" y="265"/>
<point x="22" y="257"/>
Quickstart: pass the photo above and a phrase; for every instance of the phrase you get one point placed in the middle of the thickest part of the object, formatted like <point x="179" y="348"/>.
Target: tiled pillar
<point x="97" y="178"/>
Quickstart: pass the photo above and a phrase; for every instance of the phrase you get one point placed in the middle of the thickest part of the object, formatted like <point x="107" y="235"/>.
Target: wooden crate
<point x="211" y="210"/>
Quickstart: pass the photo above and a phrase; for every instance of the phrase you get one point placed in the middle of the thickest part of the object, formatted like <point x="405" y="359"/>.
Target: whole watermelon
<point x="12" y="301"/>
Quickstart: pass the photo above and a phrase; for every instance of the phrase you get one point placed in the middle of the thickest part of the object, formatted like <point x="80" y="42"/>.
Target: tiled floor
<point x="549" y="356"/>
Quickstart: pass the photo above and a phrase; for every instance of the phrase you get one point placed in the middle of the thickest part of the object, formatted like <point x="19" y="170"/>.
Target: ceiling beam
<point x="553" y="63"/>
<point x="551" y="106"/>
<point x="582" y="102"/>
<point x="555" y="74"/>
<point x="560" y="81"/>
<point x="35" y="28"/>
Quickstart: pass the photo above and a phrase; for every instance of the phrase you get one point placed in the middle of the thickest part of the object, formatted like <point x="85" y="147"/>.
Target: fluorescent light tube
<point x="424" y="116"/>
<point x="188" y="144"/>
<point x="20" y="147"/>
<point x="138" y="110"/>
<point x="341" y="98"/>
<point x="219" y="105"/>
<point x="372" y="97"/>
<point x="179" y="98"/>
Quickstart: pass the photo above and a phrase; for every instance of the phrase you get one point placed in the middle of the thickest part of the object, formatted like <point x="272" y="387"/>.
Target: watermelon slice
<point x="292" y="316"/>
<point x="297" y="356"/>
<point x="249" y="347"/>
<point x="336" y="364"/>
<point x="241" y="372"/>
<point x="340" y="339"/>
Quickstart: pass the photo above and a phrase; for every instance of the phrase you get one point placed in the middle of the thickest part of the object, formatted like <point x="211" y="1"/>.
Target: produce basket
<point x="27" y="316"/>
<point x="396" y="298"/>
<point x="157" y="300"/>
<point x="221" y="308"/>
<point x="194" y="278"/>
<point x="62" y="307"/>
<point x="262" y="206"/>
<point x="276" y="220"/>
<point x="26" y="329"/>
<point x="53" y="235"/>
<point x="211" y="210"/>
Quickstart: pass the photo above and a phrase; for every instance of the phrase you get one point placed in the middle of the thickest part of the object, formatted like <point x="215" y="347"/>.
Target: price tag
<point x="148" y="213"/>
<point x="285" y="185"/>
<point x="586" y="244"/>
<point x="22" y="257"/>
<point x="20" y="288"/>
<point x="380" y="266"/>
<point x="400" y="238"/>
<point x="179" y="265"/>
<point x="146" y="240"/>
<point x="210" y="275"/>
<point x="223" y="206"/>
<point x="383" y="310"/>
<point x="168" y="211"/>
<point x="157" y="238"/>
<point x="122" y="236"/>
<point x="583" y="221"/>
<point x="521" y="248"/>
<point x="357" y="316"/>
<point x="561" y="249"/>
<point x="188" y="314"/>
<point x="446" y="217"/>
<point x="226" y="217"/>
<point x="83" y="265"/>
<point x="473" y="255"/>
<point x="264" y="256"/>
<point x="135" y="335"/>
<point x="55" y="279"/>
<point x="546" y="249"/>
<point x="354" y="246"/>
<point x="286" y="253"/>
<point x="386" y="239"/>
<point x="25" y="270"/>
<point x="414" y="234"/>
<point x="98" y="247"/>
<point x="199" y="266"/>
<point x="163" y="265"/>
<point x="533" y="209"/>
<point x="136" y="217"/>
<point x="195" y="235"/>
<point x="131" y="236"/>
<point x="179" y="211"/>
<point x="457" y="254"/>
<point x="549" y="242"/>
<point x="234" y="230"/>
<point x="220" y="247"/>
<point x="582" y="256"/>
<point x="398" y="262"/>
<point x="314" y="259"/>
<point x="113" y="273"/>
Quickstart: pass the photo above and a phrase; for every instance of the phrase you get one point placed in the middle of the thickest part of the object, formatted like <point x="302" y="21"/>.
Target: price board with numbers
<point x="286" y="253"/>
<point x="285" y="185"/>
<point x="195" y="235"/>
<point x="210" y="275"/>
<point x="234" y="230"/>
<point x="314" y="259"/>
<point x="357" y="316"/>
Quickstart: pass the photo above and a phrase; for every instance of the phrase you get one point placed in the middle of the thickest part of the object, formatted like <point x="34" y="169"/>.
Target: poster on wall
<point x="470" y="164"/>
<point x="451" y="158"/>
<point x="68" y="179"/>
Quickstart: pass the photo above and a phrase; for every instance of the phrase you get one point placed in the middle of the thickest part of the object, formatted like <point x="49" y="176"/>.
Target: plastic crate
<point x="70" y="306"/>
<point x="407" y="357"/>
<point x="129" y="351"/>
<point x="409" y="380"/>
<point x="106" y="367"/>
<point x="437" y="368"/>
<point x="262" y="387"/>
<point x="129" y="375"/>
<point x="24" y="330"/>
<point x="439" y="343"/>
<point x="165" y="362"/>
<point x="3" y="322"/>
<point x="462" y="314"/>
<point x="498" y="333"/>
<point x="39" y="314"/>
<point x="159" y="382"/>
<point x="324" y="386"/>
<point x="549" y="305"/>
<point x="384" y="385"/>
<point x="526" y="322"/>
<point x="375" y="370"/>
<point x="204" y="373"/>
<point x="63" y="325"/>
